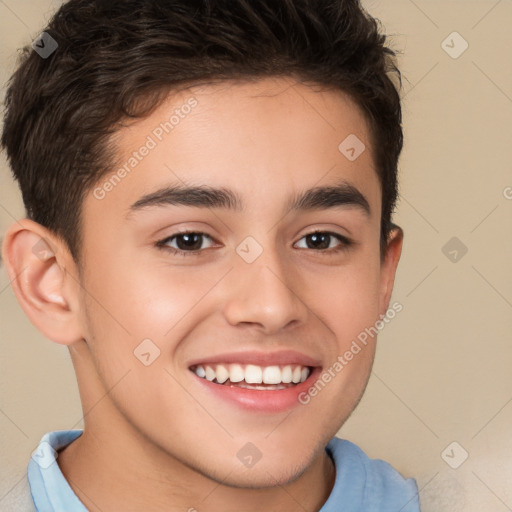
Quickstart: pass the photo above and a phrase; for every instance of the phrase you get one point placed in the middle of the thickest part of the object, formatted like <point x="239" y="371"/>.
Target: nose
<point x="264" y="293"/>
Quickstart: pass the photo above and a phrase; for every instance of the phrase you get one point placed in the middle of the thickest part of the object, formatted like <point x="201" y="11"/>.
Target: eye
<point x="189" y="243"/>
<point x="321" y="240"/>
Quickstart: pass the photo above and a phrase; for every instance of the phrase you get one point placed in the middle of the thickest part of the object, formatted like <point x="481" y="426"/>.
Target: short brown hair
<point x="118" y="59"/>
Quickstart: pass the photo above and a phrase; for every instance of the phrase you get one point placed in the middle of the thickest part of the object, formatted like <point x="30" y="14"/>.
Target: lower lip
<point x="275" y="400"/>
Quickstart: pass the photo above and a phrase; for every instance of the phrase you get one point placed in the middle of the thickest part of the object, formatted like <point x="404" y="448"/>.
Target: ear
<point x="388" y="266"/>
<point x="38" y="264"/>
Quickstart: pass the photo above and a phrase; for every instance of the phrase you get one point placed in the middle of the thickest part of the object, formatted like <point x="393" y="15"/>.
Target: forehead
<point x="267" y="140"/>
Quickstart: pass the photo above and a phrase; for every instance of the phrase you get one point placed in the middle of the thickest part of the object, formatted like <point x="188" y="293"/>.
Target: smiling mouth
<point x="251" y="376"/>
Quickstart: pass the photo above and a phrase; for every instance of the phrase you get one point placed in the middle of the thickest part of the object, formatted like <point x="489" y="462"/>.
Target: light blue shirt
<point x="362" y="484"/>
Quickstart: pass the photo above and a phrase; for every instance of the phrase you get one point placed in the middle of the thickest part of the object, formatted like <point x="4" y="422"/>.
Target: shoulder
<point x="370" y="484"/>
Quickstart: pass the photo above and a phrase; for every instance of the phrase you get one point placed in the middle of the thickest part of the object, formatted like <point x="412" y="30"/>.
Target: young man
<point x="209" y="188"/>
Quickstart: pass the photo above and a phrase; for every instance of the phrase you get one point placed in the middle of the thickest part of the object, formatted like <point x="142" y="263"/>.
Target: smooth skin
<point x="154" y="440"/>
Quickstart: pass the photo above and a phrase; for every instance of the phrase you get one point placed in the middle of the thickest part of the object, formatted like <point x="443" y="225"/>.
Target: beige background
<point x="443" y="367"/>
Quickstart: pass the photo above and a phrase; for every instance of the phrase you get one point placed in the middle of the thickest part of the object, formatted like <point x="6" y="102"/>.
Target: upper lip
<point x="280" y="358"/>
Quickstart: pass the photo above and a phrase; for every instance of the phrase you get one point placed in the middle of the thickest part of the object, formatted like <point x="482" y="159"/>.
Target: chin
<point x="264" y="477"/>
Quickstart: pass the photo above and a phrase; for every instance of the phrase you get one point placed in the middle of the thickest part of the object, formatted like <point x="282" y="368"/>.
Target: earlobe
<point x="36" y="263"/>
<point x="389" y="266"/>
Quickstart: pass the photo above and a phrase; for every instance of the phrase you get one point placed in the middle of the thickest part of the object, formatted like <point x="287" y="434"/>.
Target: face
<point x="187" y="293"/>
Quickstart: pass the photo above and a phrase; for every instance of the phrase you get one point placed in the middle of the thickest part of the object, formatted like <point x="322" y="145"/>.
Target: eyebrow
<point x="203" y="196"/>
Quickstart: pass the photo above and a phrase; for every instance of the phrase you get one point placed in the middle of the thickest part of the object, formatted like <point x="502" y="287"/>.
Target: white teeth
<point x="210" y="373"/>
<point x="261" y="388"/>
<point x="236" y="373"/>
<point x="271" y="376"/>
<point x="222" y="373"/>
<point x="253" y="374"/>
<point x="295" y="375"/>
<point x="200" y="372"/>
<point x="286" y="374"/>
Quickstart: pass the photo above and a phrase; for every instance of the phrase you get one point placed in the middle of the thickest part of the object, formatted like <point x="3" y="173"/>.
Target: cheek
<point x="347" y="298"/>
<point x="129" y="301"/>
<point x="347" y="302"/>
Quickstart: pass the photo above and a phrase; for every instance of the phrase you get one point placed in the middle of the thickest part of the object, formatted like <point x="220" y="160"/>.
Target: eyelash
<point x="345" y="244"/>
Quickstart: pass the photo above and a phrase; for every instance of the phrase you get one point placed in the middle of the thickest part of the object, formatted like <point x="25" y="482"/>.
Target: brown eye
<point x="322" y="240"/>
<point x="186" y="242"/>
